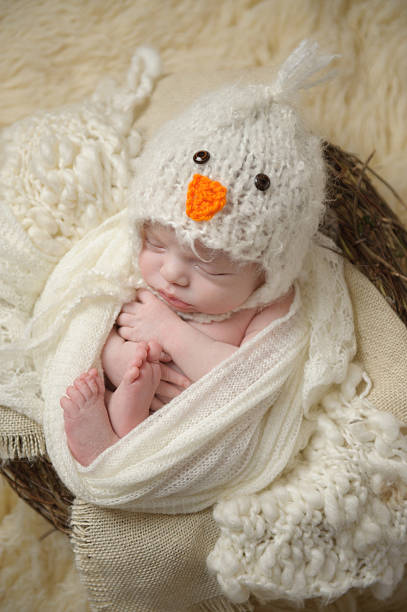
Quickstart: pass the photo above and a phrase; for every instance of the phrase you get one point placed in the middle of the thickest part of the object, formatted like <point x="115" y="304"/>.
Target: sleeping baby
<point x="225" y="205"/>
<point x="200" y="281"/>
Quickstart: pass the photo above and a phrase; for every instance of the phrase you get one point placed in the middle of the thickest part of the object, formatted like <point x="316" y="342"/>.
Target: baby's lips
<point x="205" y="198"/>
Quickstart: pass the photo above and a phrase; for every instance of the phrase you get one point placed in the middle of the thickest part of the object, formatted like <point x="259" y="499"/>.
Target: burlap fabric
<point x="382" y="344"/>
<point x="156" y="563"/>
<point x="20" y="437"/>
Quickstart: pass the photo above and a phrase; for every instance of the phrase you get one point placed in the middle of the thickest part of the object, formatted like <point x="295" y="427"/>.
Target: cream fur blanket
<point x="59" y="59"/>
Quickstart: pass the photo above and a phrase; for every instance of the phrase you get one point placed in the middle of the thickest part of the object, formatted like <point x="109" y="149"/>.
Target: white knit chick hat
<point x="239" y="172"/>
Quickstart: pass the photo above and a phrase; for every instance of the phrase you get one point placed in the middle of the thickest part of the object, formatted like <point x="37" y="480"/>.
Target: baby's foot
<point x="87" y="423"/>
<point x="129" y="405"/>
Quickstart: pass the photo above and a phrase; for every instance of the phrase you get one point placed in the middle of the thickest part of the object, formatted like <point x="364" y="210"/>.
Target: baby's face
<point x="189" y="284"/>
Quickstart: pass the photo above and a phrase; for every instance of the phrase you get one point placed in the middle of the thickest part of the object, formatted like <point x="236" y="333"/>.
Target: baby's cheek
<point x="141" y="261"/>
<point x="240" y="291"/>
<point x="219" y="292"/>
<point x="146" y="265"/>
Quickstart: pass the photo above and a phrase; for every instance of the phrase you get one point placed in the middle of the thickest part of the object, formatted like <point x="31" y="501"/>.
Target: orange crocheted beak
<point x="205" y="198"/>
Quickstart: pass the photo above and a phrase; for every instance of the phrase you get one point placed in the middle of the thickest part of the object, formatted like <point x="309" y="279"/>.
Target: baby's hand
<point x="172" y="384"/>
<point x="144" y="319"/>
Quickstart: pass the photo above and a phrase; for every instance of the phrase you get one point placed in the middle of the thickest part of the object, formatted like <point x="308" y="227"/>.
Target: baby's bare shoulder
<point x="262" y="319"/>
<point x="268" y="314"/>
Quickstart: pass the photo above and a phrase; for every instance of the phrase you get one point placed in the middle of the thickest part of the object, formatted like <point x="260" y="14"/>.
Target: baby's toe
<point x="92" y="385"/>
<point x="75" y="395"/>
<point x="100" y="385"/>
<point x="69" y="407"/>
<point x="154" y="351"/>
<point x="84" y="386"/>
<point x="132" y="373"/>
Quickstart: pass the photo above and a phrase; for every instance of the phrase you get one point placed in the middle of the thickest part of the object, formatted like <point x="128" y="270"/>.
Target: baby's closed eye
<point x="153" y="243"/>
<point x="212" y="270"/>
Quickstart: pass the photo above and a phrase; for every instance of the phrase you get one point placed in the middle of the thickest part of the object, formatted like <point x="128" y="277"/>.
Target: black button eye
<point x="262" y="182"/>
<point x="201" y="157"/>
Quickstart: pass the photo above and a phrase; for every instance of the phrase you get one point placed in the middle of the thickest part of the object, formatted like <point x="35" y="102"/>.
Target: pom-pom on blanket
<point x="291" y="388"/>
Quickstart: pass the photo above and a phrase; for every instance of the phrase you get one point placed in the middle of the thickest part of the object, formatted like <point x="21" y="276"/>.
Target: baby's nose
<point x="174" y="272"/>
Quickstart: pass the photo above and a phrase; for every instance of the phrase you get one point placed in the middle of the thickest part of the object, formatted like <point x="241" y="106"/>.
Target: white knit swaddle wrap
<point x="236" y="428"/>
<point x="233" y="430"/>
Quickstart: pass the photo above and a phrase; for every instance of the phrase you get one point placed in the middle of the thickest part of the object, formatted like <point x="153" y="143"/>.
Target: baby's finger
<point x="145" y="296"/>
<point x="172" y="376"/>
<point x="168" y="390"/>
<point x="156" y="404"/>
<point x="165" y="357"/>
<point x="129" y="307"/>
<point x="127" y="333"/>
<point x="125" y="319"/>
